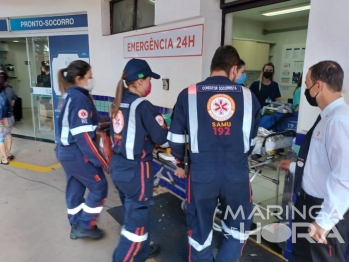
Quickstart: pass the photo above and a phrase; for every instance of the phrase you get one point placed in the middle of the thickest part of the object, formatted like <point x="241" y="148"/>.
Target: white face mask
<point x="90" y="85"/>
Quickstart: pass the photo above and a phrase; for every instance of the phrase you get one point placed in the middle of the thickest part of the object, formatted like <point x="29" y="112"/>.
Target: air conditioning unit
<point x="3" y="47"/>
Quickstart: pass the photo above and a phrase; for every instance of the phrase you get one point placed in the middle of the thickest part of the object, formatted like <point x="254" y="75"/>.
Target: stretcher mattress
<point x="272" y="143"/>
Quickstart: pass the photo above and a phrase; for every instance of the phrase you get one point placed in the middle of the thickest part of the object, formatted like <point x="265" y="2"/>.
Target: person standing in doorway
<point x="220" y="120"/>
<point x="297" y="94"/>
<point x="321" y="171"/>
<point x="78" y="153"/>
<point x="266" y="90"/>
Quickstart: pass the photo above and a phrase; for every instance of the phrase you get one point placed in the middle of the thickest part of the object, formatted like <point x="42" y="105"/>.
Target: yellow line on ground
<point x="36" y="168"/>
<point x="268" y="249"/>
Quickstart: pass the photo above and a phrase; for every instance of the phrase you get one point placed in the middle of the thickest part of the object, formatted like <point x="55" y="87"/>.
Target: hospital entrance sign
<point x="51" y="22"/>
<point x="186" y="41"/>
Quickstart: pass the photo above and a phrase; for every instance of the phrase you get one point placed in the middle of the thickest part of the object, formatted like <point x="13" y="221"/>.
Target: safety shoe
<point x="79" y="232"/>
<point x="155" y="250"/>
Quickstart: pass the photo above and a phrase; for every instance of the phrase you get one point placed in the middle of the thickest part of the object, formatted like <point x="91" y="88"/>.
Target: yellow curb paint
<point x="36" y="168"/>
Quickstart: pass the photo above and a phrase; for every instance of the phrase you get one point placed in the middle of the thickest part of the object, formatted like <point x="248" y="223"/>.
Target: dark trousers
<point x="82" y="174"/>
<point x="233" y="191"/>
<point x="134" y="181"/>
<point x="303" y="250"/>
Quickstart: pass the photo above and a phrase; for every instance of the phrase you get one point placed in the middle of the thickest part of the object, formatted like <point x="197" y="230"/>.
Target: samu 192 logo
<point x="221" y="107"/>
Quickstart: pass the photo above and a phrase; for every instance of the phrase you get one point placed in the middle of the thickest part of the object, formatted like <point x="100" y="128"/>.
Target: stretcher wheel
<point x="184" y="205"/>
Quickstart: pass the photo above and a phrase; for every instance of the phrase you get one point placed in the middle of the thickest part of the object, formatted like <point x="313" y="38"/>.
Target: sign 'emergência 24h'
<point x="186" y="41"/>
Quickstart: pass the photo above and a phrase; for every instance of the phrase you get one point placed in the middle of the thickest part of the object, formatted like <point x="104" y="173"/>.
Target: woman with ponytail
<point x="136" y="127"/>
<point x="78" y="153"/>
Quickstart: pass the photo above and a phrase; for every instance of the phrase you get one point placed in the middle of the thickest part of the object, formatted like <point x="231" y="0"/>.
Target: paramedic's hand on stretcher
<point x="180" y="173"/>
<point x="284" y="165"/>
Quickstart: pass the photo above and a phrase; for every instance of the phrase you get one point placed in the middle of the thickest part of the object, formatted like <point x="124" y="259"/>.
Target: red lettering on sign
<point x="170" y="44"/>
<point x="129" y="47"/>
<point x="137" y="46"/>
<point x="156" y="44"/>
<point x="179" y="42"/>
<point x="146" y="46"/>
<point x="184" y="42"/>
<point x="142" y="46"/>
<point x="162" y="44"/>
<point x="191" y="41"/>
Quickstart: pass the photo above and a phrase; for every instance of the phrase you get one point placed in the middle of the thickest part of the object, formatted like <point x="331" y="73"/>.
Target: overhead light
<point x="15" y="41"/>
<point x="152" y="1"/>
<point x="287" y="10"/>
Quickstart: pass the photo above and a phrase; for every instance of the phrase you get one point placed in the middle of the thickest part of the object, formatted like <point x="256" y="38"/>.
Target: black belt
<point x="306" y="196"/>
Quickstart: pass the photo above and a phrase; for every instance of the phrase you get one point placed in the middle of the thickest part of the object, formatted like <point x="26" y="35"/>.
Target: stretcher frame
<point x="268" y="158"/>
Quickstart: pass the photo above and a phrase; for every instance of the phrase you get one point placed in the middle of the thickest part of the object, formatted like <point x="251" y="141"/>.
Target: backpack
<point x="4" y="106"/>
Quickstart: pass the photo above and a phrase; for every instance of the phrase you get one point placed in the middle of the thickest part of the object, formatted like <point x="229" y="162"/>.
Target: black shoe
<point x="79" y="232"/>
<point x="155" y="250"/>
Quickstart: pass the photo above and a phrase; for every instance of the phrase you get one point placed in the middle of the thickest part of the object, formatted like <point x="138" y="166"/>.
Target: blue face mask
<point x="242" y="79"/>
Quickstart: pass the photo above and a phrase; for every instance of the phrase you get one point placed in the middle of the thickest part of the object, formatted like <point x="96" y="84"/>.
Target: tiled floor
<point x="264" y="193"/>
<point x="25" y="127"/>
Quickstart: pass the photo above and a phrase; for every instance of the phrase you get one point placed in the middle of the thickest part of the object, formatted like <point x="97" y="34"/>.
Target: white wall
<point x="251" y="29"/>
<point x="293" y="37"/>
<point x="106" y="51"/>
<point x="328" y="39"/>
<point x="168" y="11"/>
<point x="247" y="28"/>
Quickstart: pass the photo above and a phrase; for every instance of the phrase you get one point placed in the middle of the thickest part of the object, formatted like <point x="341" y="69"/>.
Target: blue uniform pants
<point x="134" y="181"/>
<point x="204" y="190"/>
<point x="82" y="174"/>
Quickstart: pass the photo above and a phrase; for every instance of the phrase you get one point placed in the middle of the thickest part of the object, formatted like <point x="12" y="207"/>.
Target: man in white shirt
<point x="323" y="170"/>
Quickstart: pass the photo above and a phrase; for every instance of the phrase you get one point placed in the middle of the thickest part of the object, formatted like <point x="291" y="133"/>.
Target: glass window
<point x="128" y="15"/>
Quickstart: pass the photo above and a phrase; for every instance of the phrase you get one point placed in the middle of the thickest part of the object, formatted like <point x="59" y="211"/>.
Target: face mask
<point x="268" y="75"/>
<point x="90" y="85"/>
<point x="147" y="92"/>
<point x="311" y="100"/>
<point x="242" y="79"/>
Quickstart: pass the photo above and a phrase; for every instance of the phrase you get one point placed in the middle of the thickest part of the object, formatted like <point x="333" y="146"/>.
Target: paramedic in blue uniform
<point x="266" y="90"/>
<point x="321" y="171"/>
<point x="136" y="127"/>
<point x="221" y="119"/>
<point x="77" y="151"/>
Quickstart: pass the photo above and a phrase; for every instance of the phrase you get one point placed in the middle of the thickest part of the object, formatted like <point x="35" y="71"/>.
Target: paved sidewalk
<point x="33" y="222"/>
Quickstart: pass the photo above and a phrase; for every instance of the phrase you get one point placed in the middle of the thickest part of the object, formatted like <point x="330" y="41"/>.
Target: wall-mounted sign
<point x="52" y="22"/>
<point x="186" y="41"/>
<point x="3" y="25"/>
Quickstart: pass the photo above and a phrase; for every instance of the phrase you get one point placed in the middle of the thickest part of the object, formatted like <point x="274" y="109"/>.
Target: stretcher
<point x="271" y="148"/>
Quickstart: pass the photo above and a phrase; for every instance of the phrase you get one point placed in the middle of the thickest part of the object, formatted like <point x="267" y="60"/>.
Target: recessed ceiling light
<point x="15" y="41"/>
<point x="282" y="11"/>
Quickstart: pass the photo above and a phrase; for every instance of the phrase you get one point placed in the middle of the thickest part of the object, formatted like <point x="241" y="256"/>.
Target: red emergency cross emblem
<point x="221" y="107"/>
<point x="83" y="114"/>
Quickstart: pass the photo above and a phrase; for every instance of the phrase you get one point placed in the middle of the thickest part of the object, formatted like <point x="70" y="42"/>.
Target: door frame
<point x="241" y="5"/>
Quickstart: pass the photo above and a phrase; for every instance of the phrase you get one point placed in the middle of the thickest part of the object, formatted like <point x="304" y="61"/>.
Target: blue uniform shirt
<point x="267" y="92"/>
<point x="77" y="123"/>
<point x="136" y="128"/>
<point x="221" y="119"/>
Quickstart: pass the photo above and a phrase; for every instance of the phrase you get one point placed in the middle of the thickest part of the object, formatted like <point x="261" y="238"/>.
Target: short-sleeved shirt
<point x="10" y="95"/>
<point x="267" y="93"/>
<point x="296" y="97"/>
